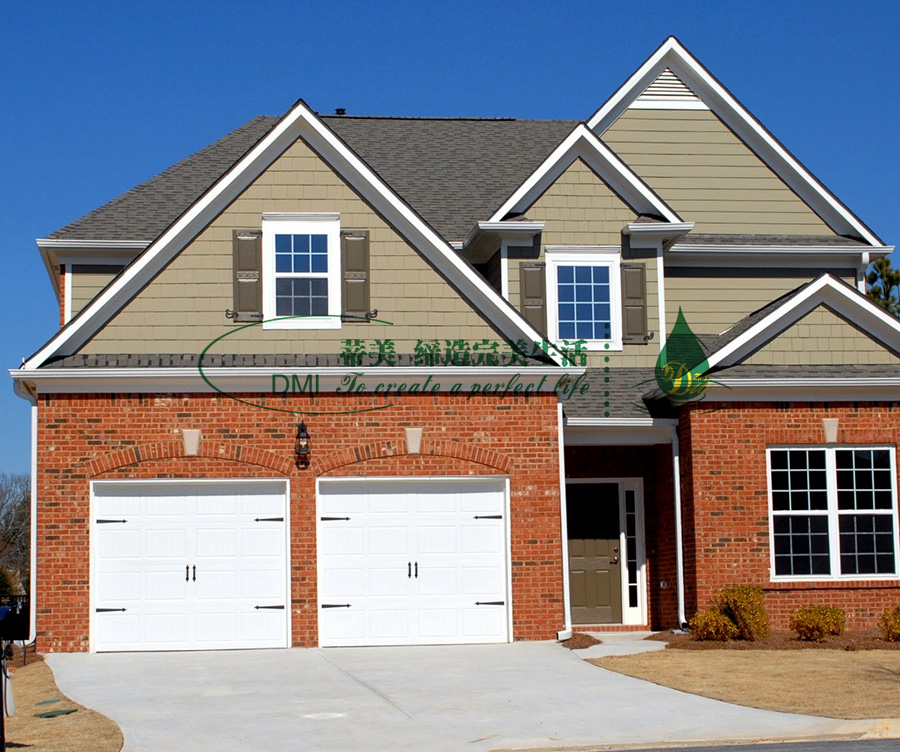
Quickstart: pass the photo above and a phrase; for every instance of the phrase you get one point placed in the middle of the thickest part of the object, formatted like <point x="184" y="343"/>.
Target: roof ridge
<point x="450" y="118"/>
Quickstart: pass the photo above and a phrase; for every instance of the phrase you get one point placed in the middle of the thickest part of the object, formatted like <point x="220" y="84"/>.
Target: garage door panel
<point x="191" y="569"/>
<point x="422" y="548"/>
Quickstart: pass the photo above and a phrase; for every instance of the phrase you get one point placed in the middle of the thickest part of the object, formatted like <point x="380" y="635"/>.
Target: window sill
<point x="834" y="584"/>
<point x="303" y="322"/>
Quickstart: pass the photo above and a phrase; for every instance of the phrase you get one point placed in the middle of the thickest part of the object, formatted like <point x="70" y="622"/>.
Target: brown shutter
<point x="634" y="304"/>
<point x="355" y="279"/>
<point x="247" y="260"/>
<point x="534" y="294"/>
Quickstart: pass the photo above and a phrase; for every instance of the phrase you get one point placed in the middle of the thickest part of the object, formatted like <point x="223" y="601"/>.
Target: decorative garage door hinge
<point x="335" y="605"/>
<point x="277" y="608"/>
<point x="269" y="519"/>
<point x="107" y="522"/>
<point x="333" y="519"/>
<point x="490" y="603"/>
<point x="488" y="516"/>
<point x="107" y="610"/>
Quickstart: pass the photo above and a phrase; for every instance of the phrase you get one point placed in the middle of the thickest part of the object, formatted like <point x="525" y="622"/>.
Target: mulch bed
<point x="866" y="640"/>
<point x="579" y="641"/>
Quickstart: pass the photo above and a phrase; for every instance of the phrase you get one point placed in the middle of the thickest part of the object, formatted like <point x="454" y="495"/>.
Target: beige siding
<point x="580" y="209"/>
<point x="708" y="175"/>
<point x="822" y="338"/>
<point x="86" y="282"/>
<point x="713" y="301"/>
<point x="183" y="309"/>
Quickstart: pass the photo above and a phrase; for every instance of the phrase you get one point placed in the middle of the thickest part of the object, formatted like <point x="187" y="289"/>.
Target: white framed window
<point x="833" y="512"/>
<point x="301" y="264"/>
<point x="584" y="296"/>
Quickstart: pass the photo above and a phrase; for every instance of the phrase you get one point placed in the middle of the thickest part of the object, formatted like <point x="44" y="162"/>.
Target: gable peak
<point x="668" y="91"/>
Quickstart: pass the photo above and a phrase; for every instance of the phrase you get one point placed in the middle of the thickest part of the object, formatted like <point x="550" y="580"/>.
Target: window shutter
<point x="355" y="279"/>
<point x="532" y="278"/>
<point x="634" y="304"/>
<point x="247" y="263"/>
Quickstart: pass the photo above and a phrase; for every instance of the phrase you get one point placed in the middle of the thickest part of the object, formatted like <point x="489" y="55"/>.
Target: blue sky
<point x="100" y="96"/>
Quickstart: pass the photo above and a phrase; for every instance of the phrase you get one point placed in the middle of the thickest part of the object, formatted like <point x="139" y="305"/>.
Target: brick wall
<point x="87" y="437"/>
<point x="726" y="481"/>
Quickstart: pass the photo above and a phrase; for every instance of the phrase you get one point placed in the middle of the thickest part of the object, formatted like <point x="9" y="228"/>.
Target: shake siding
<point x="183" y="309"/>
<point x="713" y="301"/>
<point x="580" y="209"/>
<point x="822" y="338"/>
<point x="86" y="284"/>
<point x="708" y="175"/>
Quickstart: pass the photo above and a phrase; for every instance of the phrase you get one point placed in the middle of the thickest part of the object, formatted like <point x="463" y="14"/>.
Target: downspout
<point x="26" y="393"/>
<point x="566" y="632"/>
<point x="679" y="544"/>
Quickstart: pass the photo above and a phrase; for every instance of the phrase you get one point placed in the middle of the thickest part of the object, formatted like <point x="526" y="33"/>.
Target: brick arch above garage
<point x="448" y="457"/>
<point x="212" y="456"/>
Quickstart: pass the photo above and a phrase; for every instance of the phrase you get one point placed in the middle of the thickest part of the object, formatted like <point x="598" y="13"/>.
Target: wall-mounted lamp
<point x="301" y="445"/>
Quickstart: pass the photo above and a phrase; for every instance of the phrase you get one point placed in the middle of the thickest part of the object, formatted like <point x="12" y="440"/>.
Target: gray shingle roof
<point x="149" y="208"/>
<point x="624" y="392"/>
<point x="846" y="371"/>
<point x="454" y="172"/>
<point x="765" y="240"/>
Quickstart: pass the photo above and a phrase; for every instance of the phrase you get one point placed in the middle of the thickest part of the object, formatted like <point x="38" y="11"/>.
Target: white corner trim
<point x="843" y="300"/>
<point x="566" y="632"/>
<point x="582" y="143"/>
<point x="663" y="332"/>
<point x="299" y="121"/>
<point x="672" y="54"/>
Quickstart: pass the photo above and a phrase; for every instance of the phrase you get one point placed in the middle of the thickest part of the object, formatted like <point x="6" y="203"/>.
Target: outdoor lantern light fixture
<point x="301" y="444"/>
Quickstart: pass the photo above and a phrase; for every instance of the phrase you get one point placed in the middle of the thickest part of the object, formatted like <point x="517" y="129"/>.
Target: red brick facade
<point x="86" y="437"/>
<point x="725" y="492"/>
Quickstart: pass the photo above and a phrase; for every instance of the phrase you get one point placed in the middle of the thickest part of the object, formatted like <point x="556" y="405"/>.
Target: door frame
<point x="630" y="616"/>
<point x="92" y="537"/>
<point x="463" y="479"/>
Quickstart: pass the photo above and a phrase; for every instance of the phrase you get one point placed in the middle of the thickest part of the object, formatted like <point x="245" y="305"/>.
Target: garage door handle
<point x="279" y="608"/>
<point x="108" y="522"/>
<point x="409" y="569"/>
<point x="488" y="516"/>
<point x="490" y="603"/>
<point x="335" y="605"/>
<point x="417" y="570"/>
<point x="269" y="519"/>
<point x="107" y="610"/>
<point x="195" y="572"/>
<point x="187" y="569"/>
<point x="333" y="519"/>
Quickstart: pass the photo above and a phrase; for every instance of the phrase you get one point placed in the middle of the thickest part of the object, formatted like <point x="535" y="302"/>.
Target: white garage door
<point x="420" y="562"/>
<point x="189" y="565"/>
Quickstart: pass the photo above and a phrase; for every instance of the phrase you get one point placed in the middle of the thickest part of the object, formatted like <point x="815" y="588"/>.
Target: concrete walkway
<point x="426" y="699"/>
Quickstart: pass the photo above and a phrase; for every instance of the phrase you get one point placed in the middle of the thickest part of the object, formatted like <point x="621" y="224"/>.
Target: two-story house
<point x="339" y="380"/>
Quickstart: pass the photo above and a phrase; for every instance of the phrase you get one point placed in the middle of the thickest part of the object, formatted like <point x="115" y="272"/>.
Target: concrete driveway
<point x="426" y="699"/>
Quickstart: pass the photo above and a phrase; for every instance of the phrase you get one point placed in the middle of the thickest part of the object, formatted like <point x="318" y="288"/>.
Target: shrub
<point x="743" y="605"/>
<point x="815" y="623"/>
<point x="712" y="625"/>
<point x="890" y="624"/>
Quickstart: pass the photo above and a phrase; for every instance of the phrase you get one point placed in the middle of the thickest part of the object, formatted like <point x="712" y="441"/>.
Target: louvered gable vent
<point x="670" y="93"/>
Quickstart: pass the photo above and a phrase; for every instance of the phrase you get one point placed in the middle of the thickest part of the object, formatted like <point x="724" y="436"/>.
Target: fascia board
<point x="582" y="143"/>
<point x="260" y="379"/>
<point x="671" y="54"/>
<point x="840" y="298"/>
<point x="803" y="390"/>
<point x="300" y="121"/>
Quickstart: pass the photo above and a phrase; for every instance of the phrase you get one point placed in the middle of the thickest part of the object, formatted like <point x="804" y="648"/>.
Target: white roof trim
<point x="672" y="54"/>
<point x="62" y="243"/>
<point x="843" y="300"/>
<point x="582" y="143"/>
<point x="621" y="422"/>
<point x="300" y="121"/>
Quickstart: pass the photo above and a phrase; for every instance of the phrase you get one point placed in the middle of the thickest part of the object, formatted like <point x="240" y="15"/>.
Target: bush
<point x="890" y="625"/>
<point x="712" y="625"/>
<point x="815" y="623"/>
<point x="743" y="605"/>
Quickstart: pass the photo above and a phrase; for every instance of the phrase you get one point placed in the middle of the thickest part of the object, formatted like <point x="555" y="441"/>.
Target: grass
<point x="832" y="683"/>
<point x="34" y="691"/>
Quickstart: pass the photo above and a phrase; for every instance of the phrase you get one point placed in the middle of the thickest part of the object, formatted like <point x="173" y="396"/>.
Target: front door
<point x="594" y="532"/>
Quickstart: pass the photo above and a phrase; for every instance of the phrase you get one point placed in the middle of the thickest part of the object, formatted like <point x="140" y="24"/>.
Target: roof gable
<point x="753" y="333"/>
<point x="673" y="56"/>
<point x="298" y="122"/>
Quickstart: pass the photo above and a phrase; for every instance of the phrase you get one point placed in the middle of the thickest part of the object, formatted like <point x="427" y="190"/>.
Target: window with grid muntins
<point x="834" y="511"/>
<point x="584" y="302"/>
<point x="301" y="275"/>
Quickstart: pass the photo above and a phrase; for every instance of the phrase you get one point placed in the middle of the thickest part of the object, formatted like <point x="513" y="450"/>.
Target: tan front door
<point x="595" y="579"/>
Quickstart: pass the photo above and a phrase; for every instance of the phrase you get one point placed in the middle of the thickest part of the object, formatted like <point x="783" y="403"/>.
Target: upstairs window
<point x="583" y="297"/>
<point x="302" y="271"/>
<point x="834" y="512"/>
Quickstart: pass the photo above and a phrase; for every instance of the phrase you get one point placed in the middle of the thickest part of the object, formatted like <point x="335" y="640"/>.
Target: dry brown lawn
<point x="82" y="731"/>
<point x="832" y="683"/>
